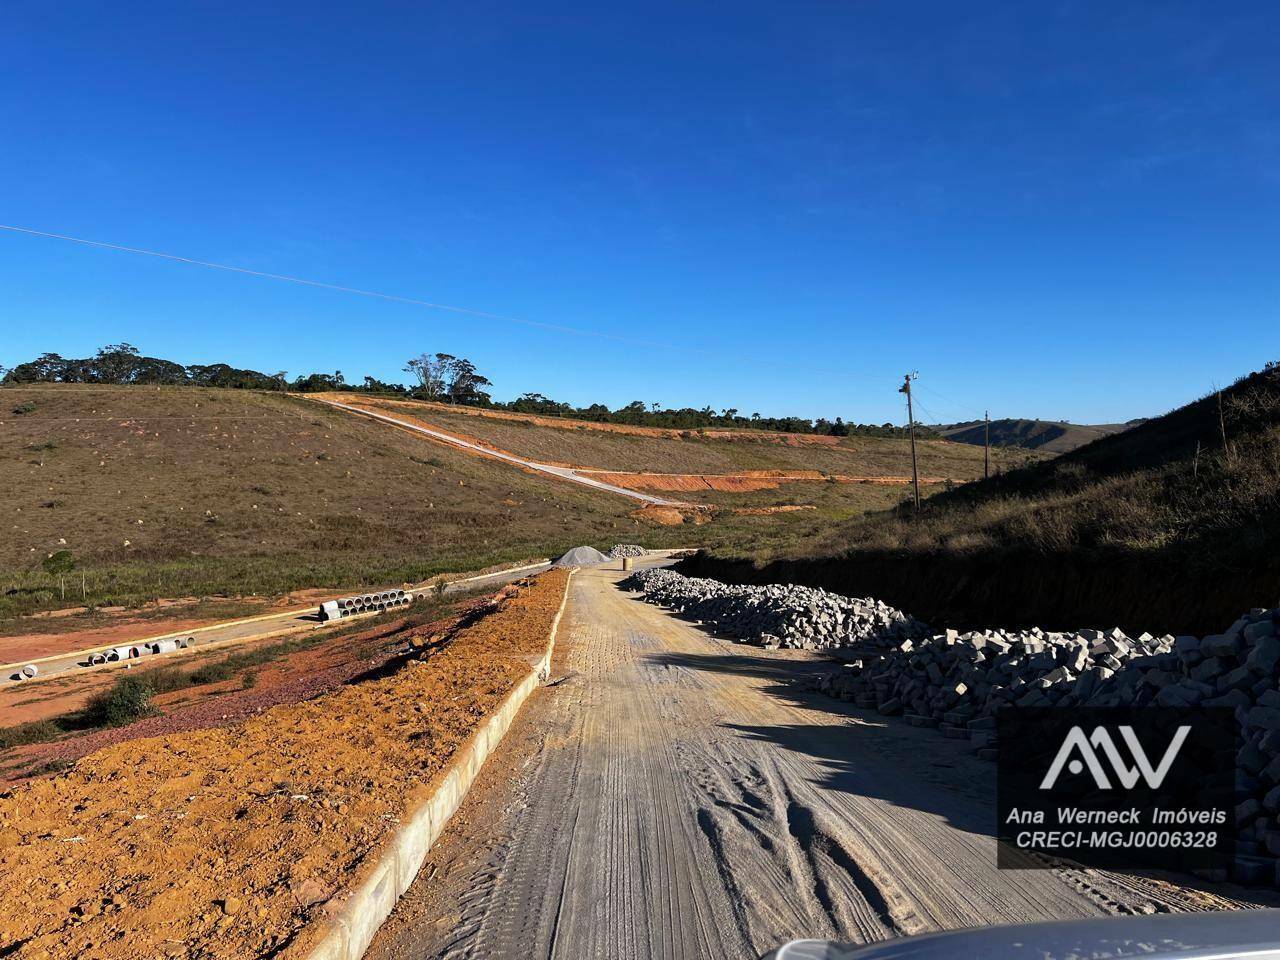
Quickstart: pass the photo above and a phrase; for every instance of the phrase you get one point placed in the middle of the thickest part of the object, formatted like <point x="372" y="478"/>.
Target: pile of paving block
<point x="779" y="615"/>
<point x="621" y="550"/>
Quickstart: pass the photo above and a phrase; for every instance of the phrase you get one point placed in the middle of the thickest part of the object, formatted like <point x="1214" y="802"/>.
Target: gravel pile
<point x="778" y="615"/>
<point x="621" y="550"/>
<point x="582" y="557"/>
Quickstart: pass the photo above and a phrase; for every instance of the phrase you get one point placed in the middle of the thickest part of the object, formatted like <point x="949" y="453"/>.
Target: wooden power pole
<point x="911" y="429"/>
<point x="986" y="444"/>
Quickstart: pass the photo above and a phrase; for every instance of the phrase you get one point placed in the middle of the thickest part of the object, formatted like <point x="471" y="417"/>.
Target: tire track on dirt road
<point x="678" y="797"/>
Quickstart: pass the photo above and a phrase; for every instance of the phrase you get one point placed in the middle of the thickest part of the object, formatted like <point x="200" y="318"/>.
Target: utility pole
<point x="986" y="445"/>
<point x="911" y="427"/>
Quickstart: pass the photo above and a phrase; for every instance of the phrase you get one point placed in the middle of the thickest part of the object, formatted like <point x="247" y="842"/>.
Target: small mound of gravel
<point x="621" y="550"/>
<point x="779" y="615"/>
<point x="582" y="557"/>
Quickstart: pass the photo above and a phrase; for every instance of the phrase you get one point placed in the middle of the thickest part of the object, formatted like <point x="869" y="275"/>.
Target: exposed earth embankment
<point x="228" y="842"/>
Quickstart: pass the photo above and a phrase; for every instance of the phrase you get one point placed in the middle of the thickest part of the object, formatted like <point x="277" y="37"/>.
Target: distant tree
<point x="431" y="374"/>
<point x="374" y="385"/>
<point x="152" y="371"/>
<point x="466" y="385"/>
<point x="46" y="368"/>
<point x="116" y="363"/>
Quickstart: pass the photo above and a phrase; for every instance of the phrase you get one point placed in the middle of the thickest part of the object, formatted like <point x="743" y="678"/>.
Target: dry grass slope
<point x="576" y="443"/>
<point x="1173" y="525"/>
<point x="186" y="491"/>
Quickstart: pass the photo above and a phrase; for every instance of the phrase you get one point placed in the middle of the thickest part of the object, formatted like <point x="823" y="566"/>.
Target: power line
<point x="954" y="403"/>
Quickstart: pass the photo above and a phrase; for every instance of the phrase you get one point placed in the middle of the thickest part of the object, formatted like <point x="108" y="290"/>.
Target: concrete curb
<point x="356" y="916"/>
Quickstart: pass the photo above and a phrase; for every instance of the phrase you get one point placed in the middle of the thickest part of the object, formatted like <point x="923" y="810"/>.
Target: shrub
<point x="60" y="562"/>
<point x="38" y="731"/>
<point x="211" y="673"/>
<point x="24" y="408"/>
<point x="128" y="700"/>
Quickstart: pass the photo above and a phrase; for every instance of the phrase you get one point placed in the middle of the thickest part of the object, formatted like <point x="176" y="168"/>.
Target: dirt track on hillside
<point x="676" y="796"/>
<point x="745" y="482"/>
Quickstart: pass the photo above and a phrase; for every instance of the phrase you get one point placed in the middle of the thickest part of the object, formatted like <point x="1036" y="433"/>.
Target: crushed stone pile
<point x="621" y="550"/>
<point x="778" y="615"/>
<point x="582" y="557"/>
<point x="957" y="681"/>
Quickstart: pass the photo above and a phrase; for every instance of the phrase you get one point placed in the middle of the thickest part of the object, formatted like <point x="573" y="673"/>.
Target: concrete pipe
<point x="96" y="659"/>
<point x="410" y="597"/>
<point x="163" y="646"/>
<point x="329" y="610"/>
<point x="118" y="653"/>
<point x="29" y="671"/>
<point x="189" y="642"/>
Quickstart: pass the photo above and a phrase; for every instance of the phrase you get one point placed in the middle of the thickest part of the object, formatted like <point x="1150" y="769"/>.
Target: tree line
<point x="439" y="377"/>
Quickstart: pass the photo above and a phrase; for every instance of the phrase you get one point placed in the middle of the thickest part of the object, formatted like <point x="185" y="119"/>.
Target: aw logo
<point x="1116" y="787"/>
<point x="1100" y="741"/>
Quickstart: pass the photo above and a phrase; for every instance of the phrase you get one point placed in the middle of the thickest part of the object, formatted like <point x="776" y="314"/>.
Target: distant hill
<point x="1172" y="525"/>
<point x="1049" y="436"/>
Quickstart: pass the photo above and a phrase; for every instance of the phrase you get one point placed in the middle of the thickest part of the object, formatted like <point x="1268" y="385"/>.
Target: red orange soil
<point x="788" y="439"/>
<point x="227" y="842"/>
<point x="744" y="482"/>
<point x="314" y="664"/>
<point x="32" y="646"/>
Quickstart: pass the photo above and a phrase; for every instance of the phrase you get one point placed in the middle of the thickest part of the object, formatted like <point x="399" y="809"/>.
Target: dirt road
<point x="564" y="473"/>
<point x="676" y="796"/>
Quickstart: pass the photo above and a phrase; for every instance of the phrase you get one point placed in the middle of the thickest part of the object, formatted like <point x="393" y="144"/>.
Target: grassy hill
<point x="616" y="447"/>
<point x="178" y="491"/>
<point x="1171" y="525"/>
<point x="186" y="491"/>
<point x="1048" y="436"/>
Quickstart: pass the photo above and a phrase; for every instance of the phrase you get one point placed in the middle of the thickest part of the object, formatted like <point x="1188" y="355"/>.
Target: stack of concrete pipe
<point x="364" y="603"/>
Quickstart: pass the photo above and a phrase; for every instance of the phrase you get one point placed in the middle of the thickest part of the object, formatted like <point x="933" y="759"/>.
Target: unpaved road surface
<point x="676" y="796"/>
<point x="564" y="473"/>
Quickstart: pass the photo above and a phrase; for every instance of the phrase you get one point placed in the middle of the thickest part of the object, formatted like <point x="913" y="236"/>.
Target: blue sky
<point x="1058" y="210"/>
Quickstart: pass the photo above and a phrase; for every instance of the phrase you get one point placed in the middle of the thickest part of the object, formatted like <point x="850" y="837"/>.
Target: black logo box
<point x="1071" y="785"/>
